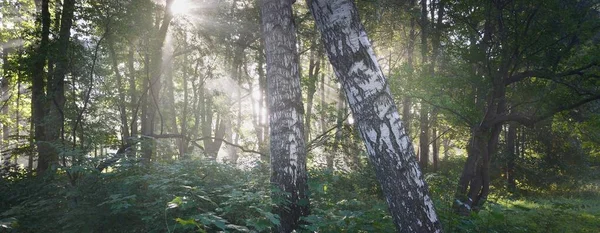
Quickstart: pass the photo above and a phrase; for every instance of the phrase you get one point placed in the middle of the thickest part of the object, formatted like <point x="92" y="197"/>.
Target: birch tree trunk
<point x="376" y="115"/>
<point x="288" y="152"/>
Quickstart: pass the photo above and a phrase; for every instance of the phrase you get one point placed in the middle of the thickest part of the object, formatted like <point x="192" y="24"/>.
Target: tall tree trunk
<point x="156" y="61"/>
<point x="5" y="99"/>
<point x="197" y="106"/>
<point x="56" y="86"/>
<point x="376" y="115"/>
<point x="207" y="124"/>
<point x="436" y="142"/>
<point x="339" y="129"/>
<point x="38" y="94"/>
<point x="511" y="153"/>
<point x="314" y="67"/>
<point x="263" y="119"/>
<point x="424" y="137"/>
<point x="238" y="59"/>
<point x="168" y="103"/>
<point x="435" y="44"/>
<point x="121" y="93"/>
<point x="424" y="113"/>
<point x="410" y="48"/>
<point x="474" y="182"/>
<point x="323" y="108"/>
<point x="222" y="123"/>
<point x="256" y="119"/>
<point x="132" y="91"/>
<point x="146" y="144"/>
<point x="446" y="145"/>
<point x="183" y="144"/>
<point x="288" y="152"/>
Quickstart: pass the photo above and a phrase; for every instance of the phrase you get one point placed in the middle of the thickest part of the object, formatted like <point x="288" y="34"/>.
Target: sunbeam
<point x="180" y="7"/>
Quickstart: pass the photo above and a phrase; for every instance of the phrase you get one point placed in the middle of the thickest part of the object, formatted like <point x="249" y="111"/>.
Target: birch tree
<point x="288" y="153"/>
<point x="376" y="115"/>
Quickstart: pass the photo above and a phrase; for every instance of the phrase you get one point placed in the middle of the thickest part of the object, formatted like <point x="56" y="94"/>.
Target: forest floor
<point x="189" y="195"/>
<point x="556" y="208"/>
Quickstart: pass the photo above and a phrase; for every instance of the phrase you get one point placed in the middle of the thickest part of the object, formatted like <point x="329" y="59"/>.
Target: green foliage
<point x="347" y="202"/>
<point x="566" y="211"/>
<point x="199" y="196"/>
<point x="165" y="198"/>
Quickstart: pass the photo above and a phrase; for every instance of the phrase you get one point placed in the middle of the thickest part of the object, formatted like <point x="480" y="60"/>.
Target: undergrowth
<point x="200" y="196"/>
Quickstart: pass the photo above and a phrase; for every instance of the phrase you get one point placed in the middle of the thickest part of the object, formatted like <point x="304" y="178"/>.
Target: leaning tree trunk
<point x="474" y="183"/>
<point x="288" y="152"/>
<point x="376" y="115"/>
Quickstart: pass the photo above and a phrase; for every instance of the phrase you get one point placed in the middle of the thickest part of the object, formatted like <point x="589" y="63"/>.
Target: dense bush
<point x="200" y="196"/>
<point x="164" y="198"/>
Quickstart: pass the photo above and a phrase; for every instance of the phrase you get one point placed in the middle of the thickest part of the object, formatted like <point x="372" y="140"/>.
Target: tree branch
<point x="322" y="137"/>
<point x="530" y="121"/>
<point x="547" y="74"/>
<point x="230" y="144"/>
<point x="466" y="120"/>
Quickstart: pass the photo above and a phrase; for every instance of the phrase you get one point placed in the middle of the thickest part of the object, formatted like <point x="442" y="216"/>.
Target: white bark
<point x="376" y="115"/>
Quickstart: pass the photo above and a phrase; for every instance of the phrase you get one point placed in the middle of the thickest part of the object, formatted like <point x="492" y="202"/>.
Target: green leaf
<point x="187" y="222"/>
<point x="176" y="202"/>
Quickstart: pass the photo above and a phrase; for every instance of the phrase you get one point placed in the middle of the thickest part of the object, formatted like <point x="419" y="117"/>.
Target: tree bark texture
<point x="376" y="115"/>
<point x="288" y="152"/>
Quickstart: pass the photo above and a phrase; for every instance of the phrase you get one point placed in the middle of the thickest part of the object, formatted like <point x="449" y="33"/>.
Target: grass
<point x="576" y="210"/>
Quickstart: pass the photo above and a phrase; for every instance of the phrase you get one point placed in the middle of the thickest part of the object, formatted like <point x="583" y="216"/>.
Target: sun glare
<point x="180" y="7"/>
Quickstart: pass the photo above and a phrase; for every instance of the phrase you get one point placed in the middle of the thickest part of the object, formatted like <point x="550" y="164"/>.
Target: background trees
<point x="501" y="98"/>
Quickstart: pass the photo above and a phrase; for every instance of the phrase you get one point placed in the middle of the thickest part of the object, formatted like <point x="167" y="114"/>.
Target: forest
<point x="299" y="116"/>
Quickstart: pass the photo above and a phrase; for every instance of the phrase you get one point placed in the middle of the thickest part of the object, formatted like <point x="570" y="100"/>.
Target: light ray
<point x="180" y="7"/>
